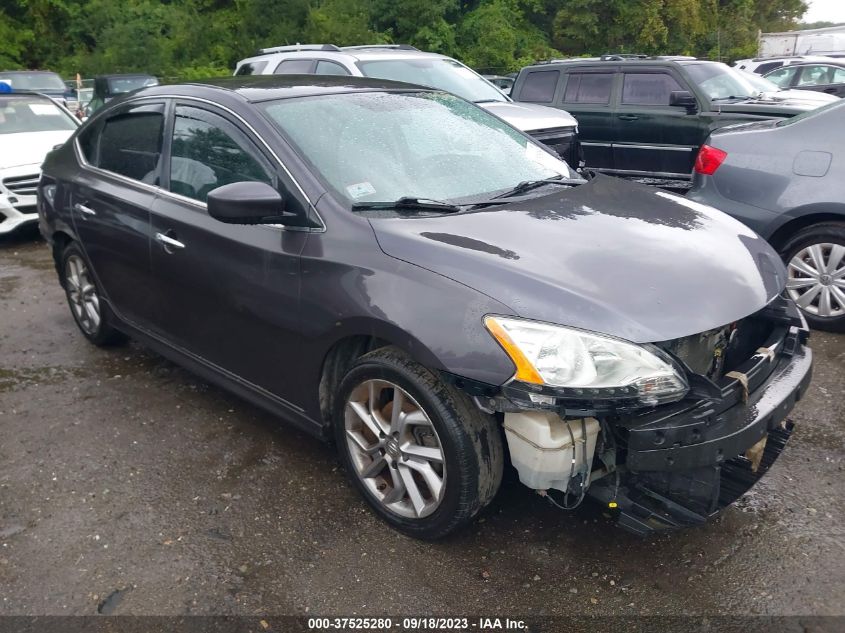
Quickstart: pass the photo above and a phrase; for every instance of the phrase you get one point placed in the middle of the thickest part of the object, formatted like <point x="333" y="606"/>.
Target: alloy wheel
<point x="395" y="449"/>
<point x="816" y="279"/>
<point x="84" y="300"/>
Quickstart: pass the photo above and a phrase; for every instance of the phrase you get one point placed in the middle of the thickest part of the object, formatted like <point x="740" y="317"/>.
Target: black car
<point x="107" y="87"/>
<point x="398" y="269"/>
<point x="647" y="117"/>
<point x="826" y="77"/>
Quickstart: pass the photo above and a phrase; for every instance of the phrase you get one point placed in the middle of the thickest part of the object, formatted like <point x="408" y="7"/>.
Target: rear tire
<point x="423" y="456"/>
<point x="815" y="260"/>
<point x="92" y="315"/>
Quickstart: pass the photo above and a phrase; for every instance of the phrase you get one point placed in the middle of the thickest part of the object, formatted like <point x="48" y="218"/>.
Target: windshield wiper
<point x="407" y="203"/>
<point x="731" y="97"/>
<point x="528" y="185"/>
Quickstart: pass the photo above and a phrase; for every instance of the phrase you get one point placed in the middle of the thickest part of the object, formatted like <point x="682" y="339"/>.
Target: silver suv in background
<point x="400" y="62"/>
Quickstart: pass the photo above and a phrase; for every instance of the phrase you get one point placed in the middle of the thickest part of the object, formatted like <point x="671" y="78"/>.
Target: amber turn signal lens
<point x="524" y="369"/>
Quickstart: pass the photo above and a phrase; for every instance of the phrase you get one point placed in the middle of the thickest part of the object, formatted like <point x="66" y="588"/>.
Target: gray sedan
<point x="786" y="180"/>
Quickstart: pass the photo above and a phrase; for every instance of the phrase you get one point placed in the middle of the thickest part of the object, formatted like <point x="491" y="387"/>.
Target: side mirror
<point x="683" y="99"/>
<point x="248" y="202"/>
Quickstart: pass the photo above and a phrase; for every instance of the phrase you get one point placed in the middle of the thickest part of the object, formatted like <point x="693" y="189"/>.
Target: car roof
<point x="28" y="72"/>
<point x="356" y="53"/>
<point x="122" y="75"/>
<point x="611" y="60"/>
<point x="24" y="93"/>
<point x="256" y="88"/>
<point x="821" y="62"/>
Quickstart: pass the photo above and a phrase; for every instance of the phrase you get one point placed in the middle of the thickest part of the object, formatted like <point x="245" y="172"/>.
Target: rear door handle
<point x="628" y="117"/>
<point x="168" y="242"/>
<point x="81" y="208"/>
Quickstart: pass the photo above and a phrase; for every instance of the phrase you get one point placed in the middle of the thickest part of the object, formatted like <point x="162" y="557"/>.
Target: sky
<point x="827" y="10"/>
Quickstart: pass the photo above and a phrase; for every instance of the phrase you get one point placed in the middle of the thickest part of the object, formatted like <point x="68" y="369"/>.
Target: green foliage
<point x="191" y="39"/>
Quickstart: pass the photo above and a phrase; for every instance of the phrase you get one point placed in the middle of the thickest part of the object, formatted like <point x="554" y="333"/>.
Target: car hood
<point x="763" y="106"/>
<point x="810" y="97"/>
<point x="530" y="117"/>
<point x="609" y="256"/>
<point x="29" y="148"/>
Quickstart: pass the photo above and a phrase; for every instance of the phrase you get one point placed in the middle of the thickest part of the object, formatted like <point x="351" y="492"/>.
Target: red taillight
<point x="709" y="159"/>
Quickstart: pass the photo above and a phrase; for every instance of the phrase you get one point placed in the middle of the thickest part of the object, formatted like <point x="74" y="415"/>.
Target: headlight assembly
<point x="586" y="365"/>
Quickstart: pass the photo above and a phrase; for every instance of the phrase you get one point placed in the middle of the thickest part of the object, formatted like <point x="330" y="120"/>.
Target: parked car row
<point x="31" y="124"/>
<point x="554" y="128"/>
<point x="395" y="268"/>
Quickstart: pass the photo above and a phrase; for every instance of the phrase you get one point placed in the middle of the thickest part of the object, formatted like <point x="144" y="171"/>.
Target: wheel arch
<point x="359" y="338"/>
<point x="802" y="217"/>
<point x="58" y="243"/>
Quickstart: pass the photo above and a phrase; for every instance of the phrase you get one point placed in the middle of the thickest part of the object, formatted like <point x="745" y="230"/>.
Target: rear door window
<point x="648" y="88"/>
<point x="589" y="88"/>
<point x="295" y="67"/>
<point x="815" y="75"/>
<point x="539" y="86"/>
<point x="130" y="143"/>
<point x="325" y="67"/>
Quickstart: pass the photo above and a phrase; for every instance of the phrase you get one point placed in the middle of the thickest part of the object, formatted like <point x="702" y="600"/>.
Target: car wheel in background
<point x="421" y="453"/>
<point x="92" y="315"/>
<point x="815" y="261"/>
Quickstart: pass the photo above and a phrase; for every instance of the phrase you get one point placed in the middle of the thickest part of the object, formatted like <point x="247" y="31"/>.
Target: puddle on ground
<point x="8" y="283"/>
<point x="108" y="605"/>
<point x="20" y="378"/>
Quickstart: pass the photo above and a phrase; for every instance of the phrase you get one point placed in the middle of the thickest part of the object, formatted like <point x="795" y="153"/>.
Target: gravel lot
<point x="129" y="486"/>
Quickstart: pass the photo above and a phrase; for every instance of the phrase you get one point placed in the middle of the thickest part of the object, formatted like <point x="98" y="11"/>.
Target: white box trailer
<point x="826" y="41"/>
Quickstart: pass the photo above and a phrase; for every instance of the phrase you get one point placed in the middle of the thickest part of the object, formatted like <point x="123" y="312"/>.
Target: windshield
<point x="32" y="114"/>
<point x="34" y="81"/>
<point x="761" y="84"/>
<point x="721" y="82"/>
<point x="381" y="146"/>
<point x="435" y="72"/>
<point x="120" y="85"/>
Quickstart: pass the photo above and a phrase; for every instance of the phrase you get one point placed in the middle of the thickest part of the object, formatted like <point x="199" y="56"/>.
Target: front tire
<point x="92" y="315"/>
<point x="424" y="457"/>
<point x="815" y="261"/>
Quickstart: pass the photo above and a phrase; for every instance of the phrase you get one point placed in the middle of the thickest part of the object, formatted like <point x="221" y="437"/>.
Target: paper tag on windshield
<point x="537" y="155"/>
<point x="43" y="108"/>
<point x="360" y="189"/>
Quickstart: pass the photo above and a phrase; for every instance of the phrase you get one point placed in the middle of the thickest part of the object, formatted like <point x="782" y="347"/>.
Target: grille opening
<point x="718" y="351"/>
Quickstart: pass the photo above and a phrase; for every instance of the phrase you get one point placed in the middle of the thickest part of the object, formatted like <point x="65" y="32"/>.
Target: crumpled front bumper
<point x="686" y="464"/>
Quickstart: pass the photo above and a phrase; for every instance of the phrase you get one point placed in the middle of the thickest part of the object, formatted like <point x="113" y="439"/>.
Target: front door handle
<point x="81" y="208"/>
<point x="168" y="242"/>
<point x="628" y="117"/>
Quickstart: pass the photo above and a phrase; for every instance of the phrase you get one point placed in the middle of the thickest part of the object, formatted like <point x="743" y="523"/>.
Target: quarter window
<point x="816" y="75"/>
<point x="251" y="68"/>
<point x="130" y="143"/>
<point x="539" y="86"/>
<point x="294" y="67"/>
<point x="762" y="69"/>
<point x="648" y="88"/>
<point x="208" y="152"/>
<point x="588" y="88"/>
<point x="325" y="67"/>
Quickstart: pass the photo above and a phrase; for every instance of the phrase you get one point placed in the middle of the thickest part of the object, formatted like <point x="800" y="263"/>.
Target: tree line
<point x="195" y="38"/>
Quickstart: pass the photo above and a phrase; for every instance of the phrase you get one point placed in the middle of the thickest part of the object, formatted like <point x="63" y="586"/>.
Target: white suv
<point x="400" y="62"/>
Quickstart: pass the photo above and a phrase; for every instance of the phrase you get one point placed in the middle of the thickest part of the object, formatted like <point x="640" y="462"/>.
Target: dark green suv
<point x="647" y="116"/>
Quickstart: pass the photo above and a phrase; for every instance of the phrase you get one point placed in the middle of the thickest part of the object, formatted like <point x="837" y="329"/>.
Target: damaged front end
<point x="658" y="460"/>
